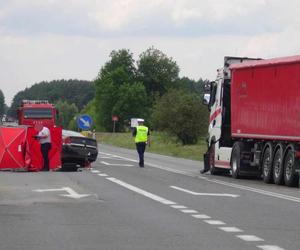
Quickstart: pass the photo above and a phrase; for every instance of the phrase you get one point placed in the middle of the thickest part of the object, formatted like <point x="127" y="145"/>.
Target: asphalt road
<point x="166" y="205"/>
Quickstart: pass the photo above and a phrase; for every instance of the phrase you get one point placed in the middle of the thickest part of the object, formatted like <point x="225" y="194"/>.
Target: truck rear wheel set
<point x="277" y="164"/>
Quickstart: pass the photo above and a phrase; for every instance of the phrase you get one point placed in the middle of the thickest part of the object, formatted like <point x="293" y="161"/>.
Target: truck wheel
<point x="267" y="164"/>
<point x="291" y="178"/>
<point x="278" y="166"/>
<point x="236" y="160"/>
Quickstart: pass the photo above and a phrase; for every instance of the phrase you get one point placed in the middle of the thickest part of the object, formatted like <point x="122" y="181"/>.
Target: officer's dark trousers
<point x="45" y="147"/>
<point x="140" y="147"/>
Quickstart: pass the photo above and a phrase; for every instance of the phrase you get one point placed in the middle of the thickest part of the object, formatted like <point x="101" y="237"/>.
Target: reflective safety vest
<point x="141" y="134"/>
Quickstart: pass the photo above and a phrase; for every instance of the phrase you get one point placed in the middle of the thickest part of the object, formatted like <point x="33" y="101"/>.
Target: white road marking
<point x="189" y="211"/>
<point x="116" y="164"/>
<point x="95" y="171"/>
<point x="204" y="194"/>
<point x="270" y="247"/>
<point x="256" y="190"/>
<point x="215" y="222"/>
<point x="201" y="216"/>
<point x="249" y="238"/>
<point x="141" y="191"/>
<point x="103" y="175"/>
<point x="231" y="229"/>
<point x="178" y="206"/>
<point x="237" y="186"/>
<point x="72" y="193"/>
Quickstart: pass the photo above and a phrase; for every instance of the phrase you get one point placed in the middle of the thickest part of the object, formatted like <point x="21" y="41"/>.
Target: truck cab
<point x="217" y="157"/>
<point x="33" y="112"/>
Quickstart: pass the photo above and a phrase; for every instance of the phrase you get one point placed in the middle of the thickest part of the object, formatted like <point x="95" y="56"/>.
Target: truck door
<point x="215" y="118"/>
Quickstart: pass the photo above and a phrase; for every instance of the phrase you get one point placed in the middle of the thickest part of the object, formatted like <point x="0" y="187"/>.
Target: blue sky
<point x="54" y="39"/>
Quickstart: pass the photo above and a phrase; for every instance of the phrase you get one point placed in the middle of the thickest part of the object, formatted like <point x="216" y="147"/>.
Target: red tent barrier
<point x="12" y="147"/>
<point x="20" y="150"/>
<point x="33" y="157"/>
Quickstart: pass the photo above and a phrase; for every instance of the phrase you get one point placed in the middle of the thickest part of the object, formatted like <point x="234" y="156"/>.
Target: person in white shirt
<point x="44" y="138"/>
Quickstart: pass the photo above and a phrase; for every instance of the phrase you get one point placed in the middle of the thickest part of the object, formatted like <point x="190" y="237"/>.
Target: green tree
<point x="131" y="102"/>
<point x="118" y="92"/>
<point x="2" y="105"/>
<point x="157" y="71"/>
<point x="73" y="91"/>
<point x="66" y="113"/>
<point x="181" y="114"/>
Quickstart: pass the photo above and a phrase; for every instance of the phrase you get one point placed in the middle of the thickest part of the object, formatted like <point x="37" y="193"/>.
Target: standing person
<point x="141" y="134"/>
<point x="44" y="138"/>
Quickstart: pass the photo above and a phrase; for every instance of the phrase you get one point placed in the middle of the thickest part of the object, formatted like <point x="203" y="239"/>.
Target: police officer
<point x="141" y="134"/>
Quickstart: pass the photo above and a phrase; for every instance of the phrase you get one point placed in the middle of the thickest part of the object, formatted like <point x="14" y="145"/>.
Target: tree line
<point x="148" y="88"/>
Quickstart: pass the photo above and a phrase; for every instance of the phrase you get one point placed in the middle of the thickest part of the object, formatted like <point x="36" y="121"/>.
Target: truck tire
<point x="278" y="165"/>
<point x="236" y="159"/>
<point x="267" y="163"/>
<point x="291" y="178"/>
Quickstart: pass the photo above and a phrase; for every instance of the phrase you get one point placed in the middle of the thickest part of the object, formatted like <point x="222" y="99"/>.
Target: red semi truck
<point x="254" y="125"/>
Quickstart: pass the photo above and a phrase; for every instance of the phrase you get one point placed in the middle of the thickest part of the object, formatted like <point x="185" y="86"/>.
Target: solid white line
<point x="249" y="238"/>
<point x="231" y="229"/>
<point x="141" y="191"/>
<point x="215" y="222"/>
<point x="204" y="194"/>
<point x="103" y="175"/>
<point x="270" y="247"/>
<point x="178" y="206"/>
<point x="241" y="187"/>
<point x="255" y="190"/>
<point x="189" y="211"/>
<point x="201" y="216"/>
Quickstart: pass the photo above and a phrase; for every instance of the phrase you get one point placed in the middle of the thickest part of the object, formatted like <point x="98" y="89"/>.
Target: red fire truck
<point x="33" y="112"/>
<point x="254" y="125"/>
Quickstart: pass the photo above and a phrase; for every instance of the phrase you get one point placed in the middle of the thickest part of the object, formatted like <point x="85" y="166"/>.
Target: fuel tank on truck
<point x="265" y="99"/>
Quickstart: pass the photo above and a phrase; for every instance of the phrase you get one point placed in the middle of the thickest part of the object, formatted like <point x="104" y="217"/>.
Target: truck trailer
<point x="254" y="125"/>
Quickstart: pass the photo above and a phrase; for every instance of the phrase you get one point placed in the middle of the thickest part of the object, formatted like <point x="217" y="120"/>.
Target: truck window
<point x="38" y="113"/>
<point x="213" y="93"/>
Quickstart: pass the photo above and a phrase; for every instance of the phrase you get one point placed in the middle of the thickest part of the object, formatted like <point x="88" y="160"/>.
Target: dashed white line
<point x="237" y="186"/>
<point x="231" y="229"/>
<point x="270" y="247"/>
<point x="103" y="175"/>
<point x="189" y="211"/>
<point x="204" y="194"/>
<point x="249" y="238"/>
<point x="214" y="222"/>
<point x="141" y="191"/>
<point x="95" y="171"/>
<point x="201" y="216"/>
<point x="178" y="206"/>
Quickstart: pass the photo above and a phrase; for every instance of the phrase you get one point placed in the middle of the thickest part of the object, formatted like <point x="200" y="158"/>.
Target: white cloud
<point x="53" y="39"/>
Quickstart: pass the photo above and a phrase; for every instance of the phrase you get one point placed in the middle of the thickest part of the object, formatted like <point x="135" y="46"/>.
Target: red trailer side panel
<point x="265" y="100"/>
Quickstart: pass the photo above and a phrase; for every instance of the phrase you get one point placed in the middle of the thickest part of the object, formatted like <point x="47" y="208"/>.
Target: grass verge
<point x="161" y="143"/>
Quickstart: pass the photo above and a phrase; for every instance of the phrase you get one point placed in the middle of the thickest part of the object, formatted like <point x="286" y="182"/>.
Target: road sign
<point x="84" y="122"/>
<point x="115" y="118"/>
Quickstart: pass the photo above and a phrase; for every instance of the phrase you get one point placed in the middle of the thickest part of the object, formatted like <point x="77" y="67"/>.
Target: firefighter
<point x="142" y="138"/>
